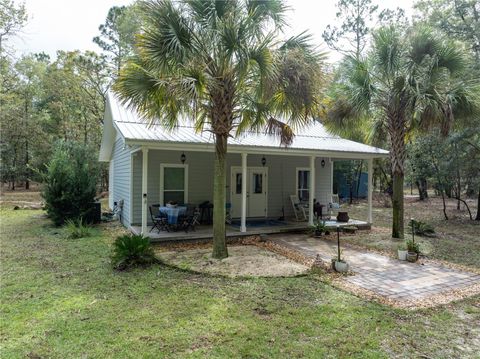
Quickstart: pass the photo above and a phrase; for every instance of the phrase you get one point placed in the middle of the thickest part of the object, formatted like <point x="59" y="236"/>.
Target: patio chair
<point x="334" y="205"/>
<point x="190" y="219"/>
<point x="299" y="208"/>
<point x="159" y="221"/>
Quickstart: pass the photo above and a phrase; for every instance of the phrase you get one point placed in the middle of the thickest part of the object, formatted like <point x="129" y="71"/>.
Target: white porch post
<point x="311" y="190"/>
<point x="370" y="189"/>
<point x="144" y="189"/>
<point x="243" y="222"/>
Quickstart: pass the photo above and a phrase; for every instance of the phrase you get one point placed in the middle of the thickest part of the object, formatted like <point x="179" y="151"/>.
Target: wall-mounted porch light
<point x="264" y="161"/>
<point x="323" y="163"/>
<point x="183" y="158"/>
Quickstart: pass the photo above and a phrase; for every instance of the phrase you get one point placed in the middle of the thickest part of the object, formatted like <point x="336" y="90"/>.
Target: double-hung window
<point x="173" y="183"/>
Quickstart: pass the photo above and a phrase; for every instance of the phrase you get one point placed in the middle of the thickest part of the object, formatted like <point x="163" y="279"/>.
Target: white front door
<point x="256" y="192"/>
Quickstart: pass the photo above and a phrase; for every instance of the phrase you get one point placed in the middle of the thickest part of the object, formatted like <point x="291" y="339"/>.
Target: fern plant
<point x="132" y="251"/>
<point x="421" y="228"/>
<point x="77" y="229"/>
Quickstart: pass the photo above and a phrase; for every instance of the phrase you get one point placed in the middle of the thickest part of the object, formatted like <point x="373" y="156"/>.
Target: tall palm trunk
<point x="397" y="132"/>
<point x="219" y="197"/>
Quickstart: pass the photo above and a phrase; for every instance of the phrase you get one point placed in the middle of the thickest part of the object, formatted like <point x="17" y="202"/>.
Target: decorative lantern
<point x="183" y="158"/>
<point x="323" y="163"/>
<point x="264" y="161"/>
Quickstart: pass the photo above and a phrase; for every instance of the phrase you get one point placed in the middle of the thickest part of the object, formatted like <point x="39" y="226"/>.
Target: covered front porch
<point x="273" y="177"/>
<point x="206" y="231"/>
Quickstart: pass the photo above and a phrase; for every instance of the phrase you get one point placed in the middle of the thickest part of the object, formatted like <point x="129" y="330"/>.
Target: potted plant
<point x="318" y="229"/>
<point x="402" y="252"/>
<point x="340" y="264"/>
<point x="413" y="249"/>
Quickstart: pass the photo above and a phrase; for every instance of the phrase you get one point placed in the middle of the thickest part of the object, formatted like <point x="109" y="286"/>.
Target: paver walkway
<point x="385" y="276"/>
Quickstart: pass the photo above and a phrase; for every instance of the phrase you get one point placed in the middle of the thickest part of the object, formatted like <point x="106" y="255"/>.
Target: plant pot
<point x="342" y="217"/>
<point x="412" y="257"/>
<point x="318" y="234"/>
<point x="341" y="266"/>
<point x="402" y="254"/>
<point x="327" y="233"/>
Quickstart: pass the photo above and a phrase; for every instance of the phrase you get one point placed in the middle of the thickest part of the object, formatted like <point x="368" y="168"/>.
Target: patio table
<point x="173" y="213"/>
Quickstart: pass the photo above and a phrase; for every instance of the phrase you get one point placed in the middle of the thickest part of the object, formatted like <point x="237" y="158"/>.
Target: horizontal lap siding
<point x="121" y="178"/>
<point x="200" y="177"/>
<point x="281" y="178"/>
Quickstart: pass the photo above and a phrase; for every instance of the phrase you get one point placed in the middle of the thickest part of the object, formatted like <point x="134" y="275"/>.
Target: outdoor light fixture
<point x="183" y="157"/>
<point x="264" y="161"/>
<point x="323" y="163"/>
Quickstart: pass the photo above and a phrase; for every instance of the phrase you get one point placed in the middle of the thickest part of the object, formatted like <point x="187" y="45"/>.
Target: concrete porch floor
<point x="206" y="231"/>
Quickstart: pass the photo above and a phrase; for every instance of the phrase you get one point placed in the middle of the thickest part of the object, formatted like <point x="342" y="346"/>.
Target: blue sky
<point x="71" y="24"/>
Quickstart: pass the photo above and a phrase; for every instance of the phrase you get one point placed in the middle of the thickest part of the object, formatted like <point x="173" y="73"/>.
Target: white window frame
<point x="162" y="171"/>
<point x="298" y="169"/>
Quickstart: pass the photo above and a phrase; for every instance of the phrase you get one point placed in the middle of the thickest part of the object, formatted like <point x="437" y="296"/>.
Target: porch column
<point x="311" y="190"/>
<point x="243" y="221"/>
<point x="370" y="189"/>
<point x="144" y="189"/>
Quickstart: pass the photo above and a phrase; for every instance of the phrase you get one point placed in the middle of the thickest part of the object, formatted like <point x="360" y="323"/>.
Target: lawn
<point x="61" y="299"/>
<point x="457" y="240"/>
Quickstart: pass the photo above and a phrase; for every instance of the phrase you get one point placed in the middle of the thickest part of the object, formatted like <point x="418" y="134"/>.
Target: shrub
<point x="77" y="229"/>
<point x="422" y="228"/>
<point x="131" y="251"/>
<point x="70" y="182"/>
<point x="413" y="246"/>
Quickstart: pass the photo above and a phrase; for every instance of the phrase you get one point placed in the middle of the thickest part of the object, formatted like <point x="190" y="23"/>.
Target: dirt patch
<point x="243" y="261"/>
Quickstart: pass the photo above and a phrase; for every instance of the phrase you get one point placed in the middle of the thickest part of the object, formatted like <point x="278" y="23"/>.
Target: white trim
<point x="111" y="173"/>
<point x="243" y="220"/>
<point x="144" y="190"/>
<point x="185" y="184"/>
<point x="311" y="190"/>
<point x="253" y="150"/>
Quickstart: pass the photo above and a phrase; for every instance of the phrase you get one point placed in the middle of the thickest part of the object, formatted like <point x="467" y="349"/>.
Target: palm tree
<point x="410" y="79"/>
<point x="221" y="64"/>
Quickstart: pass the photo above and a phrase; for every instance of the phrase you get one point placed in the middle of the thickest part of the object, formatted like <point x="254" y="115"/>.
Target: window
<point x="257" y="183"/>
<point x="238" y="183"/>
<point x="303" y="184"/>
<point x="173" y="187"/>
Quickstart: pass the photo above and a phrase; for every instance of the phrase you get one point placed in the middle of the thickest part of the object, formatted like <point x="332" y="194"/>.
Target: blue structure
<point x="342" y="187"/>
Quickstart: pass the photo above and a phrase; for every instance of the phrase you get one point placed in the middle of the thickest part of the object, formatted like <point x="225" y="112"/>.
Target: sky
<point x="71" y="24"/>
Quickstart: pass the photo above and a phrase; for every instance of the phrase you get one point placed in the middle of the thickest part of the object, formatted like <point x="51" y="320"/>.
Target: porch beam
<point x="243" y="220"/>
<point x="370" y="189"/>
<point x="144" y="189"/>
<point x="311" y="190"/>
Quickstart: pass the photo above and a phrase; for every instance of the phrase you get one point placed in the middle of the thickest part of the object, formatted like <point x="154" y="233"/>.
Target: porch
<point x="206" y="231"/>
<point x="259" y="187"/>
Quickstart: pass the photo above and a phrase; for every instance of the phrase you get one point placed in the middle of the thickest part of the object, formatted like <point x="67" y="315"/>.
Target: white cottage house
<point x="150" y="165"/>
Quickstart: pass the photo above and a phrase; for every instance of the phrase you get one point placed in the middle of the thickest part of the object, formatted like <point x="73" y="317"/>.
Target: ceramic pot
<point x="341" y="267"/>
<point x="412" y="257"/>
<point x="402" y="254"/>
<point x="342" y="217"/>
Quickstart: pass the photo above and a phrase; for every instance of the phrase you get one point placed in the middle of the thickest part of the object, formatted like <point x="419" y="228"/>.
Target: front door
<point x="256" y="192"/>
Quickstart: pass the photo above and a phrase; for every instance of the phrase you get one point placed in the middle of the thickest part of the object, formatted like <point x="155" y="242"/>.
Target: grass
<point x="457" y="240"/>
<point x="60" y="299"/>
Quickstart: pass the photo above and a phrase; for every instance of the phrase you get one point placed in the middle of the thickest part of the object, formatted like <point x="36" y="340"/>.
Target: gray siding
<point x="281" y="178"/>
<point x="121" y="178"/>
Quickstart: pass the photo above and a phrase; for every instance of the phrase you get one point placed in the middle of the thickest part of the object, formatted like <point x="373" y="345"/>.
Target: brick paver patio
<point x="385" y="276"/>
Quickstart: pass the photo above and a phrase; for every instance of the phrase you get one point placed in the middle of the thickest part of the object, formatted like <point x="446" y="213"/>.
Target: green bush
<point x="413" y="246"/>
<point x="131" y="251"/>
<point x="77" y="229"/>
<point x="70" y="182"/>
<point x="422" y="228"/>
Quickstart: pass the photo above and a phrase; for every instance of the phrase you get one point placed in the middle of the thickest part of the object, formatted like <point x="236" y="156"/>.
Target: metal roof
<point x="312" y="138"/>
